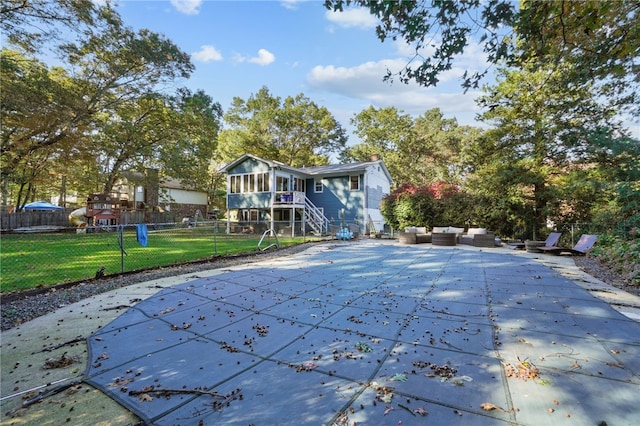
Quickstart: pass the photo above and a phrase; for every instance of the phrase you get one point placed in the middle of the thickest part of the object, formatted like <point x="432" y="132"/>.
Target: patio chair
<point x="581" y="248"/>
<point x="551" y="241"/>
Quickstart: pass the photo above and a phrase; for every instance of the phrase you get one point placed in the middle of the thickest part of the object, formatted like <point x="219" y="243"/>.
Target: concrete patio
<point x="346" y="332"/>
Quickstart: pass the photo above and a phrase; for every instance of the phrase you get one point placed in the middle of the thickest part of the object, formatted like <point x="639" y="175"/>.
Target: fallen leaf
<point x="487" y="406"/>
<point x="398" y="377"/>
<point x="145" y="397"/>
<point x="421" y="411"/>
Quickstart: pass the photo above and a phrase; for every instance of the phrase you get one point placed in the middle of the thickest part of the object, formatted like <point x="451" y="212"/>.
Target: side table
<point x="443" y="238"/>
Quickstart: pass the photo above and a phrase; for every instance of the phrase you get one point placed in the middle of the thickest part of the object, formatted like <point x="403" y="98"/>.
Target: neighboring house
<point x="148" y="191"/>
<point x="182" y="199"/>
<point x="263" y="194"/>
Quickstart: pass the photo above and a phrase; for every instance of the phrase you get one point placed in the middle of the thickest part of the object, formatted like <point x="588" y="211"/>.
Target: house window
<point x="298" y="184"/>
<point x="282" y="184"/>
<point x="234" y="184"/>
<point x="318" y="185"/>
<point x="263" y="182"/>
<point x="354" y="183"/>
<point x="249" y="183"/>
<point x="246" y="186"/>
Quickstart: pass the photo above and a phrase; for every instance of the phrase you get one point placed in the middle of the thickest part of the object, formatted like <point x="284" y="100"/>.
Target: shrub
<point x="438" y="204"/>
<point x="620" y="255"/>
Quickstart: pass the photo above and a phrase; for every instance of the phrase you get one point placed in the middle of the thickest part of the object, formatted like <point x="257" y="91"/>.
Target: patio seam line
<point x="495" y="329"/>
<point x="262" y="358"/>
<point x="406" y="394"/>
<point x="512" y="421"/>
<point x="364" y="386"/>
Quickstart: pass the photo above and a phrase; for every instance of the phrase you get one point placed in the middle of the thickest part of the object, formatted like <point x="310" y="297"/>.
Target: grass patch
<point x="39" y="260"/>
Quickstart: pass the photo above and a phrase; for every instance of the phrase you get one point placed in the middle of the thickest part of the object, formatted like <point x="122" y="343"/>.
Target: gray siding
<point x="249" y="166"/>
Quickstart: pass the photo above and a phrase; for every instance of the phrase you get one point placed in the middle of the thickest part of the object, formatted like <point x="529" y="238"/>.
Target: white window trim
<point x="354" y="176"/>
<point x="315" y="185"/>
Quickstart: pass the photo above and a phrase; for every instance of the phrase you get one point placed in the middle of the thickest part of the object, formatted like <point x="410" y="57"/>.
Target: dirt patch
<point x="593" y="267"/>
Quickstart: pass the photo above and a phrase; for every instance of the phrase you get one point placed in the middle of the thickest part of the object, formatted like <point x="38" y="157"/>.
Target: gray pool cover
<point x="361" y="333"/>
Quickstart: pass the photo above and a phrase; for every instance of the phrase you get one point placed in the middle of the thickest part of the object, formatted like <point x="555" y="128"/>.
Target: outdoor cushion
<point x="453" y="229"/>
<point x="476" y="231"/>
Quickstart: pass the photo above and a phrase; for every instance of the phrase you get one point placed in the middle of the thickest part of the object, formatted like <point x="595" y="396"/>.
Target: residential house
<point x="265" y="194"/>
<point x="146" y="191"/>
<point x="182" y="199"/>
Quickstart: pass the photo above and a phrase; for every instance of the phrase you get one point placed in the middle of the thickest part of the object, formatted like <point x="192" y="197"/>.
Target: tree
<point x="191" y="152"/>
<point x="418" y="151"/>
<point x="409" y="205"/>
<point x="385" y="132"/>
<point x="114" y="67"/>
<point x="29" y="24"/>
<point x="176" y="135"/>
<point x="35" y="105"/>
<point x="441" y="149"/>
<point x="600" y="38"/>
<point x="437" y="204"/>
<point x="131" y="138"/>
<point x="295" y="131"/>
<point x="541" y="131"/>
<point x="444" y="30"/>
<point x="616" y="160"/>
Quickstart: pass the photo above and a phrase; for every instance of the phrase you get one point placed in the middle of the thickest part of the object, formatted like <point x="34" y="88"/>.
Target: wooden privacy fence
<point x="60" y="218"/>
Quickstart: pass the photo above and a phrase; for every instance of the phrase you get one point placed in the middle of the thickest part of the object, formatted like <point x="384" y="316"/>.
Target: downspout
<point x="293" y="208"/>
<point x="272" y="187"/>
<point x="228" y="211"/>
<point x="365" y="213"/>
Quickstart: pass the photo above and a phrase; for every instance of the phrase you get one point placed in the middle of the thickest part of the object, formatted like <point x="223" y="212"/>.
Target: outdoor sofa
<point x="415" y="235"/>
<point x="478" y="237"/>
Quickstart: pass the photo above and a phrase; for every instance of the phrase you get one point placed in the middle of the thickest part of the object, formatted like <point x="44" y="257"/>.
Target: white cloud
<point x="348" y="18"/>
<point x="364" y="83"/>
<point x="188" y="7"/>
<point x="290" y="4"/>
<point x="473" y="59"/>
<point x="207" y="54"/>
<point x="238" y="58"/>
<point x="264" y="57"/>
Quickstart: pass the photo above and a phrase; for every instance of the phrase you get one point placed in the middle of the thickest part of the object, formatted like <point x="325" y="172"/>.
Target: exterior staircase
<point x="315" y="218"/>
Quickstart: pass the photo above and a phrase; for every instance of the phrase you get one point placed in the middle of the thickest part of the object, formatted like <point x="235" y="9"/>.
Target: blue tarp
<point x="41" y="205"/>
<point x="373" y="333"/>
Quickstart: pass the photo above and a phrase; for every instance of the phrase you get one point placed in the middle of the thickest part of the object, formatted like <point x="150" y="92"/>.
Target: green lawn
<point x="40" y="260"/>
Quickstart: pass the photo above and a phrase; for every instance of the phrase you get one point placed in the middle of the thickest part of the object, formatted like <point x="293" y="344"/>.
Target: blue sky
<point x="293" y="47"/>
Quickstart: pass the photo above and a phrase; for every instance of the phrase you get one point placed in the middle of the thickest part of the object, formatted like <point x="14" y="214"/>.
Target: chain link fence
<point x="571" y="232"/>
<point x="41" y="259"/>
